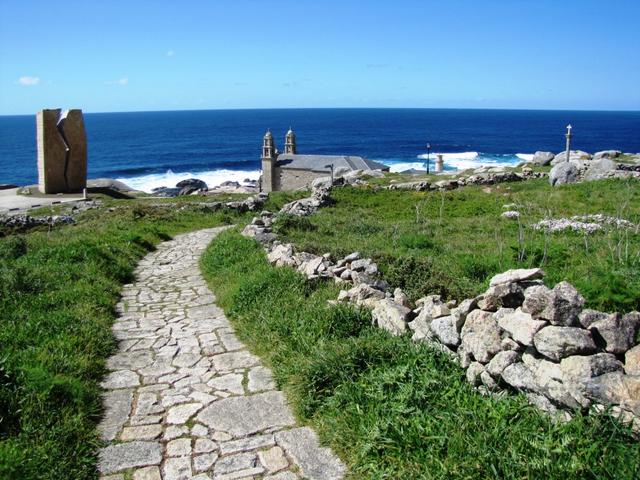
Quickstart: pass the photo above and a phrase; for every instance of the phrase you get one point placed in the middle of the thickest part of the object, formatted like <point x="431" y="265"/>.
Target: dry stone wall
<point x="519" y="335"/>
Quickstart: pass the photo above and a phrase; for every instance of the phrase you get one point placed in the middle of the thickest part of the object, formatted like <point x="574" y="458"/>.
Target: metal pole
<point x="428" y="153"/>
<point x="569" y="137"/>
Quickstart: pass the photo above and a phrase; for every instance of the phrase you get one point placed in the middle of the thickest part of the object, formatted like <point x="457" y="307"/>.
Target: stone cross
<point x="62" y="151"/>
<point x="569" y="136"/>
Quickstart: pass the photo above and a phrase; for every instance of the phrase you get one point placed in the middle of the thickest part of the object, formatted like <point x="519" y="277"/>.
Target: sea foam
<point x="460" y="161"/>
<point x="147" y="183"/>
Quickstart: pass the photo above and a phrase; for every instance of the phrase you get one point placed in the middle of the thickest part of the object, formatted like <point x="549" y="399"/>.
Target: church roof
<point x="319" y="163"/>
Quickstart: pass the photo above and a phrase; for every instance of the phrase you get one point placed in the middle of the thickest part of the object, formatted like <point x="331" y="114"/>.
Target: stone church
<point x="291" y="170"/>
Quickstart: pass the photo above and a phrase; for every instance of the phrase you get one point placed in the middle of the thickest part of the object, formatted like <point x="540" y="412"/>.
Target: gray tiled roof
<point x="318" y="163"/>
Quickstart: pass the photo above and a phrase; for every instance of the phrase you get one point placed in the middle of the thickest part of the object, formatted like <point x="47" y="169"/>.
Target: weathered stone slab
<point x="241" y="416"/>
<point x="260" y="379"/>
<point x="117" y="406"/>
<point x="233" y="360"/>
<point x="122" y="456"/>
<point x="121" y="379"/>
<point x="315" y="462"/>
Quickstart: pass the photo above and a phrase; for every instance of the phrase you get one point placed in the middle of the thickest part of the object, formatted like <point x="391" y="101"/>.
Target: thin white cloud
<point x="27" y="81"/>
<point x="170" y="53"/>
<point x="122" y="81"/>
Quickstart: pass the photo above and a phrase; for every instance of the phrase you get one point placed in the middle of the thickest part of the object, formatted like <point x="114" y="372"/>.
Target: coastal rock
<point x="557" y="343"/>
<point x="517" y="275"/>
<point x="599" y="169"/>
<point x="574" y="155"/>
<point x="563" y="173"/>
<point x="616" y="333"/>
<point x="607" y="154"/>
<point x="520" y="325"/>
<point x="542" y="158"/>
<point x="481" y="335"/>
<point x="190" y="185"/>
<point x="390" y="316"/>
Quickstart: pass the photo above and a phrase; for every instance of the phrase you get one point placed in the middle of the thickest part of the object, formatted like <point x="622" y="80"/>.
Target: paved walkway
<point x="185" y="398"/>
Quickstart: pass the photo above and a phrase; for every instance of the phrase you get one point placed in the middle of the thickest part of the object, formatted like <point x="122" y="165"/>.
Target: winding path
<point x="185" y="398"/>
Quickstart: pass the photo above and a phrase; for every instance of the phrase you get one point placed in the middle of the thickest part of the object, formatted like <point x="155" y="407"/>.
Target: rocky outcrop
<point x="563" y="173"/>
<point x="307" y="206"/>
<point x="542" y="158"/>
<point x="191" y="185"/>
<point x="581" y="166"/>
<point x="574" y="155"/>
<point x="27" y="221"/>
<point x="485" y="178"/>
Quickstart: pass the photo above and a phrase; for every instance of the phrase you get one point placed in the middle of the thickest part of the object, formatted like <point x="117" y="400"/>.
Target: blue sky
<point x="166" y="55"/>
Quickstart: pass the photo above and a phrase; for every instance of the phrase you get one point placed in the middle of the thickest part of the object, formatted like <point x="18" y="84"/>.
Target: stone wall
<point x="292" y="179"/>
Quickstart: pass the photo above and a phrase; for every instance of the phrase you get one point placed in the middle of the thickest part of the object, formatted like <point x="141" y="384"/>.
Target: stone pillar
<point x="62" y="151"/>
<point x="569" y="137"/>
<point x="439" y="163"/>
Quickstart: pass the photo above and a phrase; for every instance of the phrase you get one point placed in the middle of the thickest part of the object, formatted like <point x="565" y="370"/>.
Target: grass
<point x="389" y="408"/>
<point x="451" y="243"/>
<point x="58" y="290"/>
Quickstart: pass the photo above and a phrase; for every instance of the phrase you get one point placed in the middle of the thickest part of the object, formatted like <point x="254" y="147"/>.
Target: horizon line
<point x="346" y="108"/>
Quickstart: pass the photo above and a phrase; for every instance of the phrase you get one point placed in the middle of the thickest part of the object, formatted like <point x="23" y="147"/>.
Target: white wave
<point x="147" y="183"/>
<point x="450" y="156"/>
<point x="527" y="157"/>
<point x="401" y="167"/>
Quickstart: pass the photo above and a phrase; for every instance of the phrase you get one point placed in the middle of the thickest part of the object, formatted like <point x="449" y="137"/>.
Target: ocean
<point x="152" y="149"/>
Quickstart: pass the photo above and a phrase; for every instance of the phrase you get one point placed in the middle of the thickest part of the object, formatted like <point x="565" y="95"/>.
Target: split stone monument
<point x="62" y="151"/>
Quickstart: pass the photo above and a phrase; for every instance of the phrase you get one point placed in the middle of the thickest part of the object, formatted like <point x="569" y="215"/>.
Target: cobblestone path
<point x="184" y="397"/>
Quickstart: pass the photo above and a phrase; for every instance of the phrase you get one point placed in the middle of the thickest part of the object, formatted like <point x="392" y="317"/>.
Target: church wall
<point x="291" y="179"/>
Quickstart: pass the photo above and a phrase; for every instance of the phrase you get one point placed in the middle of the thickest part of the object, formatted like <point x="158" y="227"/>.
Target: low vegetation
<point x="451" y="243"/>
<point x="58" y="290"/>
<point x="392" y="409"/>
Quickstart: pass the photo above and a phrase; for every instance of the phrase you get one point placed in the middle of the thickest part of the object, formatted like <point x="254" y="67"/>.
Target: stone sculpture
<point x="62" y="151"/>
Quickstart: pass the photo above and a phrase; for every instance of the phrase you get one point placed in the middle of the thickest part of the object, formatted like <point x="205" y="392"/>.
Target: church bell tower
<point x="269" y="158"/>
<point x="290" y="142"/>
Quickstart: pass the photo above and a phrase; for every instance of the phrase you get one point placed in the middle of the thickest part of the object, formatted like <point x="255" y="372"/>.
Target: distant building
<point x="291" y="170"/>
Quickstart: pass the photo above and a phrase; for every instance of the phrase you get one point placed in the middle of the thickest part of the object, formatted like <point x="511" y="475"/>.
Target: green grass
<point x="451" y="243"/>
<point x="58" y="290"/>
<point x="389" y="408"/>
